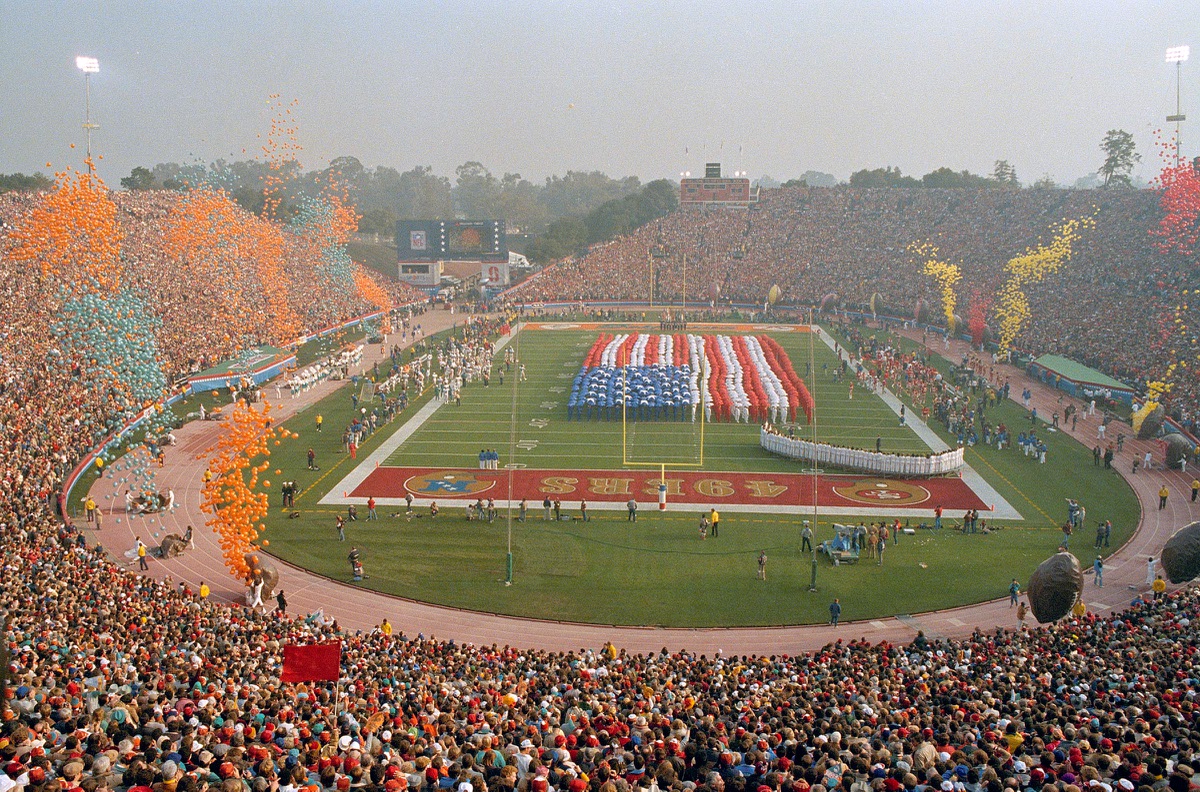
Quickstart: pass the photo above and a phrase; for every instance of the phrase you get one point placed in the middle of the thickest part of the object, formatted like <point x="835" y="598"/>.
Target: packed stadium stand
<point x="118" y="681"/>
<point x="1112" y="307"/>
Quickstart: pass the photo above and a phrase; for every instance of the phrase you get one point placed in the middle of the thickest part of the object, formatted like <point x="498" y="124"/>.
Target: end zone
<point x="766" y="493"/>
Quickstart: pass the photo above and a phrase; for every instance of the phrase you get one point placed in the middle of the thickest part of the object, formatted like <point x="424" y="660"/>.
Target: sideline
<point x="1001" y="508"/>
<point x="389" y="446"/>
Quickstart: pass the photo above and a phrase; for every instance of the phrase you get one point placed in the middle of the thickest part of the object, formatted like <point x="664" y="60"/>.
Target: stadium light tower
<point x="1177" y="55"/>
<point x="88" y="66"/>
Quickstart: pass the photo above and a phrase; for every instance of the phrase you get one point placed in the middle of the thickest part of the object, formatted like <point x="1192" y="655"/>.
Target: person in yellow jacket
<point x="1159" y="588"/>
<point x="89" y="508"/>
<point x="1162" y="497"/>
<point x="386" y="628"/>
<point x="204" y="591"/>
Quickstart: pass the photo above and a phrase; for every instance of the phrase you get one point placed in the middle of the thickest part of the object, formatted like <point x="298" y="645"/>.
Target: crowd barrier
<point x="857" y="459"/>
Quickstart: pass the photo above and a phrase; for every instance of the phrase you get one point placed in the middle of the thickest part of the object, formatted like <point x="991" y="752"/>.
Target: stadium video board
<point x="445" y="240"/>
<point x="696" y="191"/>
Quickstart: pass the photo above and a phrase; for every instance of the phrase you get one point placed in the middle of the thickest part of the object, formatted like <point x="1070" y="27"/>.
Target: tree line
<point x="609" y="220"/>
<point x="384" y="194"/>
<point x="564" y="213"/>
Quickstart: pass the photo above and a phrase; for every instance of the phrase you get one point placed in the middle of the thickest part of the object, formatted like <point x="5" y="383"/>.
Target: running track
<point x="356" y="608"/>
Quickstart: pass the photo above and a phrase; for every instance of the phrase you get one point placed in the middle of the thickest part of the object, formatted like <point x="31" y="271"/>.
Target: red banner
<point x="312" y="663"/>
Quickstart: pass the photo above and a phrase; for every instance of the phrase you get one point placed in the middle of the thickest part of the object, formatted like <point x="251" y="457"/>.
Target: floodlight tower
<point x="1177" y="55"/>
<point x="88" y="66"/>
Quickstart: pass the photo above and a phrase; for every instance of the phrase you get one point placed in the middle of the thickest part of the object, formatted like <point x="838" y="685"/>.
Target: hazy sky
<point x="540" y="88"/>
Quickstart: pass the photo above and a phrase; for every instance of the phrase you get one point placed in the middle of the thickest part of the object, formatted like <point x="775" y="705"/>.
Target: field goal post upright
<point x="661" y="465"/>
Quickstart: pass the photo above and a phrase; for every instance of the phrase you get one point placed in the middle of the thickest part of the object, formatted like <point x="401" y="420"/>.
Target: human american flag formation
<point x="668" y="377"/>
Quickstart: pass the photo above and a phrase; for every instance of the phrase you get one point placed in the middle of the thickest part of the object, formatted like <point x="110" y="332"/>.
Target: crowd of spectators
<point x="121" y="681"/>
<point x="1112" y="306"/>
<point x="118" y="681"/>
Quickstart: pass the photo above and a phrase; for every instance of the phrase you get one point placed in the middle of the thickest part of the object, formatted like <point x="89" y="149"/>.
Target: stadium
<point x="767" y="487"/>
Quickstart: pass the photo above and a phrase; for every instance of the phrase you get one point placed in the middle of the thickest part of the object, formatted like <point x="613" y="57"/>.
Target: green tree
<point x="1005" y="174"/>
<point x="944" y="178"/>
<point x="476" y="192"/>
<point x="568" y="235"/>
<point x="1120" y="155"/>
<point x="378" y="221"/>
<point x="348" y="172"/>
<point x="882" y="177"/>
<point x="519" y="204"/>
<point x="564" y="237"/>
<point x="579" y="192"/>
<point x="139" y="179"/>
<point x="19" y="182"/>
<point x="818" y="179"/>
<point x="1046" y="182"/>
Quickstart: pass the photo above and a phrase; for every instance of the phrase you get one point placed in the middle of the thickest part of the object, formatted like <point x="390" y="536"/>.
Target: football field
<point x="595" y="565"/>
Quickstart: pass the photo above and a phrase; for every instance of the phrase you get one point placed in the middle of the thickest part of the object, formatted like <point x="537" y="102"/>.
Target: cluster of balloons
<point x="209" y="233"/>
<point x="133" y="472"/>
<point x="1181" y="554"/>
<point x="1031" y="267"/>
<point x="327" y="223"/>
<point x="945" y="274"/>
<point x="1055" y="587"/>
<point x="977" y="316"/>
<point x="281" y="151"/>
<point x="1179" y="199"/>
<point x="72" y="234"/>
<point x="103" y="331"/>
<point x="372" y="292"/>
<point x="232" y="497"/>
<point x="112" y="338"/>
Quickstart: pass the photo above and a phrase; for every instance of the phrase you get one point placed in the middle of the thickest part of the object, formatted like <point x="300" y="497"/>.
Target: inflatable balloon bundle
<point x="375" y="294"/>
<point x="232" y="497"/>
<point x="1181" y="554"/>
<point x="103" y="328"/>
<point x="1054" y="587"/>
<point x="1148" y="419"/>
<point x="112" y="337"/>
<point x="281" y="151"/>
<point x="945" y="274"/>
<point x="1031" y="267"/>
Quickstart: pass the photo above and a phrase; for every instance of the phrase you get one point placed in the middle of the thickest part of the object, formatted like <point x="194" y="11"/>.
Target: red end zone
<point x="706" y="488"/>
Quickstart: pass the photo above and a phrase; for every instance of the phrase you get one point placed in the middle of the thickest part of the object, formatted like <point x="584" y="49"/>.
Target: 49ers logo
<point x="883" y="493"/>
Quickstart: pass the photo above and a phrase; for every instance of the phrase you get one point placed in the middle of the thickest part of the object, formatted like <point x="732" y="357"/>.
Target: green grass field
<point x="658" y="571"/>
<point x="453" y="437"/>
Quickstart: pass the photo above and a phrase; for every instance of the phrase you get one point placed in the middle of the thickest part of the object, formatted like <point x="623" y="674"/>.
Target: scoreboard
<point x="457" y="240"/>
<point x="701" y="191"/>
